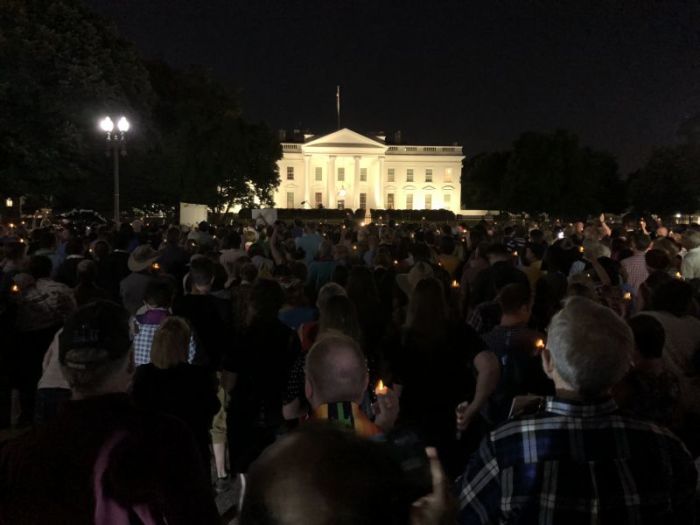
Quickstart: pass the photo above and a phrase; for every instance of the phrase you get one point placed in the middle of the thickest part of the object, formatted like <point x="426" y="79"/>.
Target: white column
<point x="307" y="177"/>
<point x="378" y="195"/>
<point x="356" y="184"/>
<point x="331" y="203"/>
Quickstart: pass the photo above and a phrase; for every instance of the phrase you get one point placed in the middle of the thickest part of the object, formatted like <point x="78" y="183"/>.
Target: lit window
<point x="363" y="174"/>
<point x="290" y="172"/>
<point x="390" y="175"/>
<point x="389" y="201"/>
<point x="319" y="199"/>
<point x="341" y="174"/>
<point x="428" y="175"/>
<point x="447" y="199"/>
<point x="428" y="202"/>
<point x="319" y="174"/>
<point x="409" y="201"/>
<point x="448" y="175"/>
<point x="290" y="199"/>
<point x="409" y="176"/>
<point x="363" y="201"/>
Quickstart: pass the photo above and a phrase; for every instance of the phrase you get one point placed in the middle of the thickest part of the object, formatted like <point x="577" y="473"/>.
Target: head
<point x="336" y="370"/>
<point x="691" y="239"/>
<point x="232" y="241"/>
<point x="673" y="296"/>
<point x="498" y="253"/>
<point x="171" y="343"/>
<point x="339" y="314"/>
<point x="327" y="291"/>
<point x="160" y="293"/>
<point x="657" y="260"/>
<point x="201" y="274"/>
<point x="95" y="350"/>
<point x="173" y="235"/>
<point x="87" y="272"/>
<point x="266" y="299"/>
<point x="649" y="336"/>
<point x="589" y="349"/>
<point x="427" y="308"/>
<point x="320" y="474"/>
<point x="447" y="245"/>
<point x="249" y="272"/>
<point x="203" y="226"/>
<point x="640" y="241"/>
<point x="515" y="301"/>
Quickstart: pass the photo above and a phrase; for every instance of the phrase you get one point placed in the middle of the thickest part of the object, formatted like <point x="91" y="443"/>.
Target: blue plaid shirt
<point x="144" y="326"/>
<point x="578" y="463"/>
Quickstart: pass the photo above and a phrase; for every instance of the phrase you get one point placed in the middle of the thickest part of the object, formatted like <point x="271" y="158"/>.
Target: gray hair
<point x="327" y="291"/>
<point x="591" y="346"/>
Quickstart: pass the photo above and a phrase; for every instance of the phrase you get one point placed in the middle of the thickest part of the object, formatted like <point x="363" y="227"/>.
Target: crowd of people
<point x="350" y="373"/>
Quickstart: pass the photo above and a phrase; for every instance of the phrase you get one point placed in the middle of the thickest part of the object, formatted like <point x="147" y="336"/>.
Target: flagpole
<point x="337" y="103"/>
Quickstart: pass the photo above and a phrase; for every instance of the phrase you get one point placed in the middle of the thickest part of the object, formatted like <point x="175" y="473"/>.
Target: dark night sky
<point x="622" y="75"/>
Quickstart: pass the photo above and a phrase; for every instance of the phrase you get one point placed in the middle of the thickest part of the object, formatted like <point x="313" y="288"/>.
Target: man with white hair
<point x="690" y="268"/>
<point x="574" y="458"/>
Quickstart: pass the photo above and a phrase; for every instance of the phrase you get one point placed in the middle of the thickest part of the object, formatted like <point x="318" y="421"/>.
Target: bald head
<point x="336" y="370"/>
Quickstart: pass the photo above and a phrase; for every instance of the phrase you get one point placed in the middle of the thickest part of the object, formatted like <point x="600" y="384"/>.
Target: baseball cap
<point x="96" y="334"/>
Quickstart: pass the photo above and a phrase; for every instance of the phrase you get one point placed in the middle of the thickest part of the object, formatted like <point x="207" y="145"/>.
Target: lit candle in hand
<point x="15" y="288"/>
<point x="539" y="345"/>
<point x="455" y="284"/>
<point x="381" y="389"/>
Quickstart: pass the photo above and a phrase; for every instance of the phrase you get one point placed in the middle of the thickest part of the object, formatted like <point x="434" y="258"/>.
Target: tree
<point x="61" y="67"/>
<point x="547" y="172"/>
<point x="669" y="182"/>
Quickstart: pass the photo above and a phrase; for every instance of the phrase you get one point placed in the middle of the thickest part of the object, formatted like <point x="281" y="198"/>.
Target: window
<point x="290" y="199"/>
<point x="363" y="201"/>
<point x="409" y="201"/>
<point x="390" y="175"/>
<point x="341" y="174"/>
<point x="448" y="175"/>
<point x="319" y="174"/>
<point x="389" y="201"/>
<point x="363" y="174"/>
<point x="318" y="198"/>
<point x="428" y="202"/>
<point x="447" y="199"/>
<point x="341" y="204"/>
<point x="428" y="175"/>
<point x="290" y="172"/>
<point x="409" y="175"/>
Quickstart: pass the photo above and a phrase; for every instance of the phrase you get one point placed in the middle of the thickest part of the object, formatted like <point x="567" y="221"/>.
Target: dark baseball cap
<point x="96" y="334"/>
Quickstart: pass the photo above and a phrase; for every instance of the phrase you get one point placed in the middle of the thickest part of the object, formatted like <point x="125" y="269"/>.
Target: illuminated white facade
<point x="345" y="169"/>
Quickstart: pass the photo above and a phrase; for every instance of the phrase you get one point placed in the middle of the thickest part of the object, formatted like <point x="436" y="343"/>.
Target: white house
<point x="345" y="169"/>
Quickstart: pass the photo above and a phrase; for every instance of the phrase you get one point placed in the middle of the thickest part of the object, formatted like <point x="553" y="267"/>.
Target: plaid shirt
<point x="636" y="268"/>
<point x="144" y="327"/>
<point x="578" y="463"/>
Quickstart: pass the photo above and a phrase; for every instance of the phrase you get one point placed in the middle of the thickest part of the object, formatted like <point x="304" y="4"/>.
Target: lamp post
<point x="116" y="146"/>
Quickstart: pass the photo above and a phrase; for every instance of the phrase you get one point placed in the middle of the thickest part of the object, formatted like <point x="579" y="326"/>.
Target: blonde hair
<point x="171" y="343"/>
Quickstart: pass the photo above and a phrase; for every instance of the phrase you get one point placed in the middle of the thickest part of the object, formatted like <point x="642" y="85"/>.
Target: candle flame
<point x="14" y="288"/>
<point x="155" y="266"/>
<point x="381" y="389"/>
<point x="678" y="275"/>
<point x="455" y="284"/>
<point x="539" y="344"/>
<point x="396" y="262"/>
<point x="627" y="296"/>
<point x="581" y="249"/>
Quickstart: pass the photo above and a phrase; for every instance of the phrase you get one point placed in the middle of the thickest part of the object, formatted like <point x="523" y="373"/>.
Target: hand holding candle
<point x="381" y="389"/>
<point x="15" y="289"/>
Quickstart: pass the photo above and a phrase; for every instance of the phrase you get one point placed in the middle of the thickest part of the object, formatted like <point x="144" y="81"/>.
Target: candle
<point x="381" y="389"/>
<point x="396" y="263"/>
<point x="515" y="253"/>
<point x="455" y="284"/>
<point x="354" y="246"/>
<point x="581" y="249"/>
<point x="539" y="344"/>
<point x="678" y="275"/>
<point x="155" y="266"/>
<point x="627" y="296"/>
<point x="15" y="288"/>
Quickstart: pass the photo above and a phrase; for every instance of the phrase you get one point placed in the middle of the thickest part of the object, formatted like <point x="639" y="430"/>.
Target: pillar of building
<point x="307" y="177"/>
<point x="356" y="184"/>
<point x="331" y="203"/>
<point x="378" y="195"/>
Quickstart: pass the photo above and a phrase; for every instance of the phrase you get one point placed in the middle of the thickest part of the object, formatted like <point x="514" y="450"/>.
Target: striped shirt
<point x="578" y="463"/>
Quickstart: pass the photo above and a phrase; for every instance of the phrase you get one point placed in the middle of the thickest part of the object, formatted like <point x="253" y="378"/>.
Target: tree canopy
<point x="62" y="67"/>
<point x="545" y="172"/>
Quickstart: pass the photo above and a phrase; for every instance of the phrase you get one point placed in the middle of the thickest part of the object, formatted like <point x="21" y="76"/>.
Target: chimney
<point x="397" y="137"/>
<point x="282" y="135"/>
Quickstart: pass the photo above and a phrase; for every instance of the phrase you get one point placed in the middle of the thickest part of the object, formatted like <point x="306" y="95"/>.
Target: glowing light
<point x="515" y="253"/>
<point x="106" y="124"/>
<point x="678" y="275"/>
<point x="455" y="284"/>
<point x="8" y="202"/>
<point x="362" y="224"/>
<point x="123" y="125"/>
<point x="354" y="246"/>
<point x="539" y="344"/>
<point x="381" y="389"/>
<point x="12" y="225"/>
<point x="15" y="288"/>
<point x="396" y="263"/>
<point x="155" y="266"/>
<point x="627" y="296"/>
<point x="581" y="249"/>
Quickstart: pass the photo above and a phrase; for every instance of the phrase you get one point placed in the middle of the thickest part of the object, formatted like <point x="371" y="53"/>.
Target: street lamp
<point x="116" y="146"/>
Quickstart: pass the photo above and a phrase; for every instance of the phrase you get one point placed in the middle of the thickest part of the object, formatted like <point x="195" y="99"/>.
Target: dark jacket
<point x="46" y="475"/>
